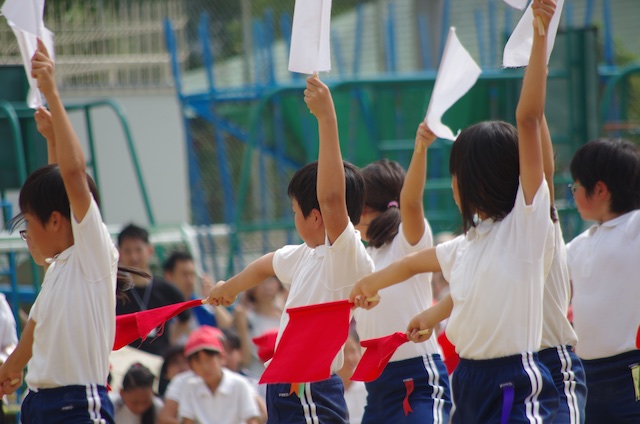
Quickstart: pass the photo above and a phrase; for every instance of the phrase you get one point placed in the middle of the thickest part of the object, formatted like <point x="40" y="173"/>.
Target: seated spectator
<point x="214" y="395"/>
<point x="180" y="270"/>
<point x="136" y="403"/>
<point x="136" y="251"/>
<point x="174" y="363"/>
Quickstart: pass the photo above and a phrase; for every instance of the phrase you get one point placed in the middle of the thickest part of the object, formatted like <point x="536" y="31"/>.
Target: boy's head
<point x="44" y="207"/>
<point x="205" y="352"/>
<point x="180" y="269"/>
<point x="137" y="389"/>
<point x="135" y="249"/>
<point x="302" y="188"/>
<point x="607" y="177"/>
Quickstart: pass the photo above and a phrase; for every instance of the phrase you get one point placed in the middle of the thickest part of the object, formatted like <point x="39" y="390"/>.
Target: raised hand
<point x="221" y="294"/>
<point x="317" y="96"/>
<point x="43" y="70"/>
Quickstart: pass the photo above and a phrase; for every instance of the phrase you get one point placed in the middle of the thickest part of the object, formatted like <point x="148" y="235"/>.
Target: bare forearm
<point x="331" y="179"/>
<point x="67" y="152"/>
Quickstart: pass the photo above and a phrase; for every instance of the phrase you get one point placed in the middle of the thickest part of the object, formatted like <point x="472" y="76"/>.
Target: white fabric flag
<point x="518" y="4"/>
<point x="518" y="49"/>
<point x="458" y="72"/>
<point x="310" y="44"/>
<point x="25" y="14"/>
<point x="28" y="44"/>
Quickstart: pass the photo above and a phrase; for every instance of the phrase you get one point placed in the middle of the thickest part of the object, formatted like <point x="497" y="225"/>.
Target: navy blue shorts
<point x="411" y="391"/>
<point x="513" y="389"/>
<point x="611" y="394"/>
<point x="68" y="405"/>
<point x="320" y="402"/>
<point x="568" y="376"/>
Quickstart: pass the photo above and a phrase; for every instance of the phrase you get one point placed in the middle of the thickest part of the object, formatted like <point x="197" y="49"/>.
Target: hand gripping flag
<point x="309" y="343"/>
<point x="131" y="327"/>
<point x="310" y="43"/>
<point x="458" y="72"/>
<point x="376" y="357"/>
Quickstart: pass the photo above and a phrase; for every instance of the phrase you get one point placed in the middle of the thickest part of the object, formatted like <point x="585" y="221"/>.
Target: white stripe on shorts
<point x="438" y="390"/>
<point x="569" y="381"/>
<point x="532" y="406"/>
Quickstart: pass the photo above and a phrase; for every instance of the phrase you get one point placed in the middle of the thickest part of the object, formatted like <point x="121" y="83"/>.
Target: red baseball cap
<point x="204" y="337"/>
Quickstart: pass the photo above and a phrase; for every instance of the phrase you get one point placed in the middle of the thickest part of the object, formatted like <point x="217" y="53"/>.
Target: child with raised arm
<point x="71" y="326"/>
<point x="327" y="198"/>
<point x="496" y="269"/>
<point x="604" y="267"/>
<point x="393" y="223"/>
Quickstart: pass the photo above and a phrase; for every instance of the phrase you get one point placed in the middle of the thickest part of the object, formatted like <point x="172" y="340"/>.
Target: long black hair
<point x="139" y="377"/>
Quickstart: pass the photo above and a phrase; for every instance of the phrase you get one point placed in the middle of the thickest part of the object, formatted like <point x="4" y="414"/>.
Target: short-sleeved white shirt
<point x="604" y="263"/>
<point x="322" y="274"/>
<point x="496" y="275"/>
<point x="234" y="401"/>
<point x="556" y="329"/>
<point x="401" y="302"/>
<point x="175" y="386"/>
<point x="75" y="310"/>
<point x="356" y="398"/>
<point x="123" y="415"/>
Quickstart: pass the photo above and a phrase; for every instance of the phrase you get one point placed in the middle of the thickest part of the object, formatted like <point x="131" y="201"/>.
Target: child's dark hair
<point x="383" y="181"/>
<point x="132" y="231"/>
<point x="614" y="162"/>
<point x="140" y="377"/>
<point x="43" y="193"/>
<point x="174" y="258"/>
<point x="484" y="160"/>
<point x="170" y="355"/>
<point x="231" y="339"/>
<point x="303" y="184"/>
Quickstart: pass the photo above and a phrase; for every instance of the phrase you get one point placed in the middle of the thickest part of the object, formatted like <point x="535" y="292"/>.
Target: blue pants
<point x="411" y="391"/>
<point x="612" y="396"/>
<point x="68" y="405"/>
<point x="568" y="376"/>
<point x="321" y="402"/>
<point x="513" y="389"/>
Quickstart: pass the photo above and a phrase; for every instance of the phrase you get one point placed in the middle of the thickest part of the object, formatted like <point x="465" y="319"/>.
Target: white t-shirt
<point x="123" y="415"/>
<point x="496" y="276"/>
<point x="401" y="302"/>
<point x="356" y="398"/>
<point x="8" y="336"/>
<point x="75" y="310"/>
<point x="234" y="401"/>
<point x="175" y="386"/>
<point x="604" y="263"/>
<point x="323" y="274"/>
<point x="556" y="329"/>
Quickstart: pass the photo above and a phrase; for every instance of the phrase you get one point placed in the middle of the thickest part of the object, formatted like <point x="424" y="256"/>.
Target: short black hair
<point x="174" y="258"/>
<point x="232" y="339"/>
<point x="614" y="162"/>
<point x="303" y="188"/>
<point x="133" y="232"/>
<point x="383" y="181"/>
<point x="43" y="193"/>
<point x="137" y="376"/>
<point x="484" y="160"/>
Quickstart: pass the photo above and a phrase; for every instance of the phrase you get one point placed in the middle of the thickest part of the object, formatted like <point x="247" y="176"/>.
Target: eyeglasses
<point x="23" y="234"/>
<point x="574" y="187"/>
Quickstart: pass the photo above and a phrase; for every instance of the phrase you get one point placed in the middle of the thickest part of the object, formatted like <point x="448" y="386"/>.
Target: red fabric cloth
<point x="377" y="356"/>
<point x="408" y="389"/>
<point x="309" y="344"/>
<point x="266" y="344"/>
<point x="131" y="327"/>
<point x="451" y="358"/>
<point x="638" y="338"/>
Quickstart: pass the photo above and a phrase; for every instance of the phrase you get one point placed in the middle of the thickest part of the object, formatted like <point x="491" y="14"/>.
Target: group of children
<point x="511" y="279"/>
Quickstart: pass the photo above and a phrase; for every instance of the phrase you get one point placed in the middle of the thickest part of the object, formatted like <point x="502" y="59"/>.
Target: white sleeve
<point x="447" y="252"/>
<point x="174" y="388"/>
<point x="93" y="245"/>
<point x="532" y="223"/>
<point x="348" y="260"/>
<point x="403" y="245"/>
<point x="247" y="402"/>
<point x="185" y="405"/>
<point x="285" y="261"/>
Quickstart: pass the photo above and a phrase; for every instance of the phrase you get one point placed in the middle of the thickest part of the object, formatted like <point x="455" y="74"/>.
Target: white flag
<point x="518" y="4"/>
<point x="458" y="72"/>
<point x="25" y="14"/>
<point x="310" y="43"/>
<point x="28" y="44"/>
<point x="518" y="49"/>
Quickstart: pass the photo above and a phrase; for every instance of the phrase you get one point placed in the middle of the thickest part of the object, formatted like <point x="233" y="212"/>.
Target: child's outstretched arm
<point x="11" y="371"/>
<point x="411" y="207"/>
<point x="225" y="292"/>
<point x="531" y="105"/>
<point x="364" y="293"/>
<point x="68" y="151"/>
<point x="44" y="123"/>
<point x="331" y="186"/>
<point x="421" y="326"/>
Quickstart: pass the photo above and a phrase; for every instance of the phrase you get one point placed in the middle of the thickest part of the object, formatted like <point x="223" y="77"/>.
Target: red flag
<point x="638" y="338"/>
<point x="377" y="356"/>
<point x="266" y="344"/>
<point x="131" y="327"/>
<point x="309" y="344"/>
<point x="451" y="358"/>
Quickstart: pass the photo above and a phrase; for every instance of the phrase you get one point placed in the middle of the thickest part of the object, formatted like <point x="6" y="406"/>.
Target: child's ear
<point x="317" y="218"/>
<point x="600" y="190"/>
<point x="55" y="220"/>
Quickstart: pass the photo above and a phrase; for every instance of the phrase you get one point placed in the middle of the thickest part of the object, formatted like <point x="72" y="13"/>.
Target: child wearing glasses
<point x="604" y="266"/>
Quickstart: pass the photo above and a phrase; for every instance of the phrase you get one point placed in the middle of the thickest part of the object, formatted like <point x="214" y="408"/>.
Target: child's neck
<point x="214" y="382"/>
